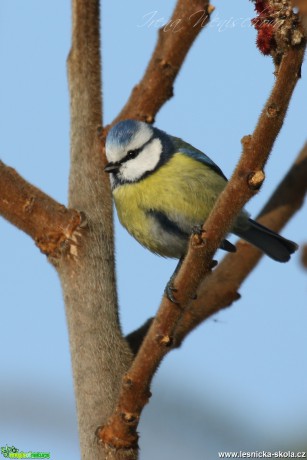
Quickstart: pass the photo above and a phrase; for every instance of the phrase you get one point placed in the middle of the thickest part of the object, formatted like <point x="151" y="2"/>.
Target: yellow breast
<point x="183" y="189"/>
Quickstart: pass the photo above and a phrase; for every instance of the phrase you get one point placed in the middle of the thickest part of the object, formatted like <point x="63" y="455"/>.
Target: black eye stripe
<point x="130" y="155"/>
<point x="134" y="153"/>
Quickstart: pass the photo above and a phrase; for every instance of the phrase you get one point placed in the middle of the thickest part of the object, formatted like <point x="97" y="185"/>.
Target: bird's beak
<point x="111" y="167"/>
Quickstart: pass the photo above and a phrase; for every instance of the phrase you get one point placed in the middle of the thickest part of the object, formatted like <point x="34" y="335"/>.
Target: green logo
<point x="12" y="452"/>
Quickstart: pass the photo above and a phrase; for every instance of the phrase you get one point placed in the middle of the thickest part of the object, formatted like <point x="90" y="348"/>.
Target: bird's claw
<point x="169" y="290"/>
<point x="197" y="230"/>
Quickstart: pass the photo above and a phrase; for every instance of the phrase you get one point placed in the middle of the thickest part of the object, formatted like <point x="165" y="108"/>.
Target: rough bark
<point x="99" y="353"/>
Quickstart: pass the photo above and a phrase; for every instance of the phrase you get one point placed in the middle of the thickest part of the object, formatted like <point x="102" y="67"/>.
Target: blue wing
<point x="198" y="155"/>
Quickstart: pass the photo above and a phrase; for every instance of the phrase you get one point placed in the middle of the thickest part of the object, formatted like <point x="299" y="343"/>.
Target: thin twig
<point x="49" y="223"/>
<point x="174" y="42"/>
<point x="120" y="432"/>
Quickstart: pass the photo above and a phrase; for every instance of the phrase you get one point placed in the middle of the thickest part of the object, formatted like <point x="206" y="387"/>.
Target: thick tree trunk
<point x="99" y="353"/>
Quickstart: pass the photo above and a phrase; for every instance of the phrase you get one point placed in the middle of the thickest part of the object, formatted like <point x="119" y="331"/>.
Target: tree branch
<point x="120" y="431"/>
<point x="220" y="289"/>
<point x="174" y="42"/>
<point x="49" y="223"/>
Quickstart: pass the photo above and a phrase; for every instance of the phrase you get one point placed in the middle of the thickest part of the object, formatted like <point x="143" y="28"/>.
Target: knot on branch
<point x="112" y="437"/>
<point x="210" y="8"/>
<point x="148" y="119"/>
<point x="130" y="418"/>
<point x="272" y="110"/>
<point x="165" y="340"/>
<point x="29" y="205"/>
<point x="255" y="179"/>
<point x="59" y="241"/>
<point x="197" y="239"/>
<point x="168" y="67"/>
<point x="246" y="141"/>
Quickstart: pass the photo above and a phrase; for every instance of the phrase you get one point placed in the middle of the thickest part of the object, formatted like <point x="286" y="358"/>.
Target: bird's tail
<point x="273" y="245"/>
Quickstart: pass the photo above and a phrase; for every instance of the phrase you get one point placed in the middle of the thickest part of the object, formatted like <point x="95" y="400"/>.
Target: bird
<point x="163" y="188"/>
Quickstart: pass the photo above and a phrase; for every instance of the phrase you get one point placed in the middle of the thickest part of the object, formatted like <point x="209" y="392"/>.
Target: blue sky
<point x="245" y="371"/>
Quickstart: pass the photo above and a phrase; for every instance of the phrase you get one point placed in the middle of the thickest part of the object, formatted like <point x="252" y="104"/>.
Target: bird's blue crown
<point x="122" y="133"/>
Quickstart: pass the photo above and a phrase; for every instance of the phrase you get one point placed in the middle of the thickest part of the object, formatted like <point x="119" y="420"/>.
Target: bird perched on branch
<point x="163" y="187"/>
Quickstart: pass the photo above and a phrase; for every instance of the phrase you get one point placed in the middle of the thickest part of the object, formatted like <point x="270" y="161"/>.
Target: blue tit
<point x="163" y="187"/>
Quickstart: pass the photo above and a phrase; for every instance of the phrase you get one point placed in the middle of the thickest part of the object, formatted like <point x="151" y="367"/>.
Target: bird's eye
<point x="132" y="154"/>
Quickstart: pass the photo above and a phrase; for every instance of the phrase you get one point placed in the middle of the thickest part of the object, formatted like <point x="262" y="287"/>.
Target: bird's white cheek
<point x="146" y="161"/>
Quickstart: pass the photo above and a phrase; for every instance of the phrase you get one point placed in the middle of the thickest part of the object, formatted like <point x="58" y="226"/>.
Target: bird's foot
<point x="169" y="292"/>
<point x="197" y="230"/>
